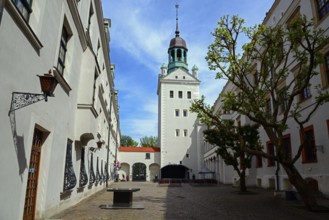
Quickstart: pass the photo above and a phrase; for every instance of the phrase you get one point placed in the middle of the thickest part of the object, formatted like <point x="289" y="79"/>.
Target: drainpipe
<point x="116" y="150"/>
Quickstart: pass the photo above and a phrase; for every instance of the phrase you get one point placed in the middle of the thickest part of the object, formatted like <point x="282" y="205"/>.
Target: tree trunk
<point x="301" y="186"/>
<point x="243" y="187"/>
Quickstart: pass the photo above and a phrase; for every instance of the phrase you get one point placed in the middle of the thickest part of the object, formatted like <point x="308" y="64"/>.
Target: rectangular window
<point x="180" y="94"/>
<point x="177" y="132"/>
<point x="177" y="112"/>
<point x="24" y="7"/>
<point x="301" y="83"/>
<point x="259" y="162"/>
<point x="323" y="8"/>
<point x="147" y="156"/>
<point x="309" y="151"/>
<point x="185" y="132"/>
<point x="305" y="94"/>
<point x="189" y="95"/>
<point x="287" y="146"/>
<point x="171" y="94"/>
<point x="270" y="151"/>
<point x="62" y="51"/>
<point x="185" y="113"/>
<point x="187" y="155"/>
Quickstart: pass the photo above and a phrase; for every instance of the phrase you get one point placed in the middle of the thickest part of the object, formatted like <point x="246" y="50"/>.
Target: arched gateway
<point x="174" y="171"/>
<point x="139" y="172"/>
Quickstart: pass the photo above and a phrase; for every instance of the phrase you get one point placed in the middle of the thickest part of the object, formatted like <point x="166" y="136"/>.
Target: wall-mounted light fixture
<point x="92" y="149"/>
<point x="48" y="84"/>
<point x="99" y="144"/>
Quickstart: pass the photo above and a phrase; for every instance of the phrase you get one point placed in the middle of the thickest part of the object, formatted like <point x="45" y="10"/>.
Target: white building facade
<point x="139" y="163"/>
<point x="313" y="163"/>
<point x="56" y="153"/>
<point x="177" y="126"/>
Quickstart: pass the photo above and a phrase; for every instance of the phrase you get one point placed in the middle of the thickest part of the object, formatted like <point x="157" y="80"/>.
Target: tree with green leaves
<point x="266" y="91"/>
<point x="128" y="141"/>
<point x="229" y="139"/>
<point x="151" y="141"/>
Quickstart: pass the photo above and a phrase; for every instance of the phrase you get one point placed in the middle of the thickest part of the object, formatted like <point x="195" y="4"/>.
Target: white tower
<point x="177" y="88"/>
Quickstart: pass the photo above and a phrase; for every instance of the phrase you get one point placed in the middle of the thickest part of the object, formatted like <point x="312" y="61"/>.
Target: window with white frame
<point x="177" y="112"/>
<point x="180" y="94"/>
<point x="185" y="112"/>
<point x="177" y="132"/>
<point x="189" y="95"/>
<point x="171" y="94"/>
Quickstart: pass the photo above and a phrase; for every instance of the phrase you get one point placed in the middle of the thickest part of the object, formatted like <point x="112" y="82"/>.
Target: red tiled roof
<point x="139" y="149"/>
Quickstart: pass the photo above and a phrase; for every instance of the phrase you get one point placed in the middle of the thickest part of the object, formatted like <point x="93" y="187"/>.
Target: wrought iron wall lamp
<point x="19" y="100"/>
<point x="99" y="144"/>
<point x="92" y="149"/>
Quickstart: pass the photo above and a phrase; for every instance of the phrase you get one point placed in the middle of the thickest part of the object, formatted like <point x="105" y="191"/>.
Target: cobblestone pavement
<point x="193" y="203"/>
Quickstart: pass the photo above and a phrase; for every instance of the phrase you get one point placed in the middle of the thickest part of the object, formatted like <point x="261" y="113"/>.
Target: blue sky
<point x="140" y="35"/>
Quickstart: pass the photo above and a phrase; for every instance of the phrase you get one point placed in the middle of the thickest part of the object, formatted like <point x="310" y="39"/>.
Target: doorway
<point x="33" y="175"/>
<point x="139" y="172"/>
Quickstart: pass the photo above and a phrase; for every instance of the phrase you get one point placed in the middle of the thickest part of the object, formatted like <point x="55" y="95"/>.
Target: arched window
<point x="172" y="56"/>
<point x="179" y="55"/>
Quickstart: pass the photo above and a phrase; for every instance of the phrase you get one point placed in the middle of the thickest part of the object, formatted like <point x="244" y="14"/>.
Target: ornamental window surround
<point x="309" y="151"/>
<point x="70" y="179"/>
<point x="83" y="174"/>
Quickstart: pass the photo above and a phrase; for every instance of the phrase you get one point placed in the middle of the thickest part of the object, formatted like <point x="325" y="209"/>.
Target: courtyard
<point x="192" y="202"/>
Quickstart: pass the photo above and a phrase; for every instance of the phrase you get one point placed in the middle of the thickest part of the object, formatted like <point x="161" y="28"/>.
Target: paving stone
<point x="193" y="203"/>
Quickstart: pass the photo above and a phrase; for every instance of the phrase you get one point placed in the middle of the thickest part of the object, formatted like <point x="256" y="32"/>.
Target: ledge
<point x="60" y="79"/>
<point x="66" y="194"/>
<point x="90" y="107"/>
<point x="80" y="189"/>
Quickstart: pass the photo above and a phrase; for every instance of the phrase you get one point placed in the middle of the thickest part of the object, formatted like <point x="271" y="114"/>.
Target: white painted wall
<point x="265" y="176"/>
<point x="59" y="118"/>
<point x="128" y="159"/>
<point x="174" y="149"/>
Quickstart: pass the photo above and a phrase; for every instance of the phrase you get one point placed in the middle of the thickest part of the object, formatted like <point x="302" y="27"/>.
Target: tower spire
<point x="177" y="31"/>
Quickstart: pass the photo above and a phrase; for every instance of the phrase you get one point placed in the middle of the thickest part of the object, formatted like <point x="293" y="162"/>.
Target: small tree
<point x="229" y="139"/>
<point x="128" y="141"/>
<point x="150" y="141"/>
<point x="257" y="74"/>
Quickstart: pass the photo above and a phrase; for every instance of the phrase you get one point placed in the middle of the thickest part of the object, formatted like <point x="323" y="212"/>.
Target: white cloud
<point x="140" y="35"/>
